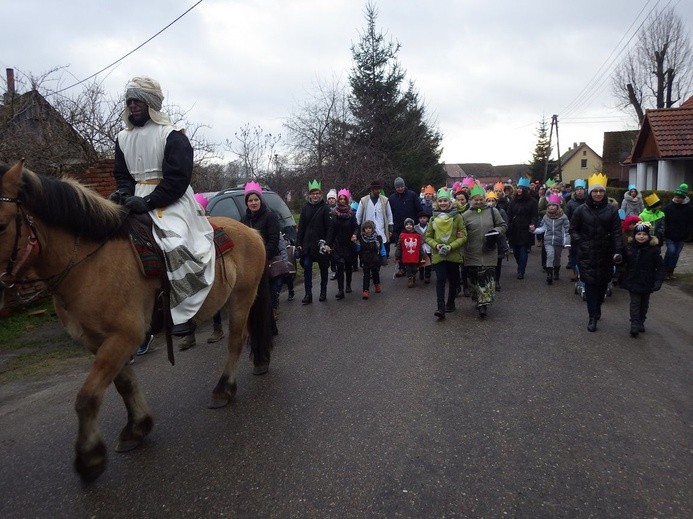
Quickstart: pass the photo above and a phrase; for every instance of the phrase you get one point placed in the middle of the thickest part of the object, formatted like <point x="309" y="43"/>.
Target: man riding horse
<point x="153" y="168"/>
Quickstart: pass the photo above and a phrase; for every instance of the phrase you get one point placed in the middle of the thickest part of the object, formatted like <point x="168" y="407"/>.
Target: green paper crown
<point x="550" y="182"/>
<point x="477" y="190"/>
<point x="313" y="185"/>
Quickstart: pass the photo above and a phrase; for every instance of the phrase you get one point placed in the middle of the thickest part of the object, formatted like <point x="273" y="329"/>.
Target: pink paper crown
<point x="555" y="199"/>
<point x="468" y="181"/>
<point x="252" y="187"/>
<point x="344" y="192"/>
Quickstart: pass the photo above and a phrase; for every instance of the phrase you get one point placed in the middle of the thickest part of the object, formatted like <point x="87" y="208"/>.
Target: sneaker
<point x="378" y="288"/>
<point x="144" y="347"/>
<point x="364" y="294"/>
<point x="440" y="313"/>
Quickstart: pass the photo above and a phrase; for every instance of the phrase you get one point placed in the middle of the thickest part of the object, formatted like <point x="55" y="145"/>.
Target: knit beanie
<point x="399" y="182"/>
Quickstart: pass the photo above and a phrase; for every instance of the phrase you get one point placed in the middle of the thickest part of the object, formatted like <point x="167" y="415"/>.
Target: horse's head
<point x="10" y="222"/>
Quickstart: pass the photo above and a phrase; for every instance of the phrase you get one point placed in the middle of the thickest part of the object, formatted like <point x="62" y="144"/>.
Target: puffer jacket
<point x="595" y="234"/>
<point x="573" y="204"/>
<point x="644" y="267"/>
<point x="556" y="229"/>
<point x="632" y="204"/>
<point x="447" y="228"/>
<point x="478" y="222"/>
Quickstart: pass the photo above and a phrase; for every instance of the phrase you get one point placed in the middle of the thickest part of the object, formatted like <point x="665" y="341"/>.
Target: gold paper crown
<point x="597" y="179"/>
<point x="651" y="199"/>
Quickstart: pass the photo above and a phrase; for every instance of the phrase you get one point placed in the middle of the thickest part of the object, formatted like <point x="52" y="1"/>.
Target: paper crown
<point x="456" y="186"/>
<point x="555" y="199"/>
<point x="344" y="192"/>
<point x="313" y="185"/>
<point x="550" y="182"/>
<point x="597" y="179"/>
<point x="477" y="190"/>
<point x="580" y="183"/>
<point x="252" y="187"/>
<point x="523" y="182"/>
<point x="468" y="181"/>
<point x="498" y="186"/>
<point x="201" y="199"/>
<point x="491" y="194"/>
<point x="443" y="192"/>
<point x="651" y="200"/>
<point x="429" y="189"/>
<point x="632" y="186"/>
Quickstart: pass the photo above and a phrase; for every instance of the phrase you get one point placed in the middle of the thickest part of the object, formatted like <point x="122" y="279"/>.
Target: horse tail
<point x="260" y="324"/>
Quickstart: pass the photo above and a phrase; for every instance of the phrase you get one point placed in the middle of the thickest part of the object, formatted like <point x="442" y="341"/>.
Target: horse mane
<point x="65" y="203"/>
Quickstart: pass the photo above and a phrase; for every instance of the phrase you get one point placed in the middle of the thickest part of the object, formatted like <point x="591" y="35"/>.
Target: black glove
<point x="137" y="205"/>
<point x="657" y="286"/>
<point x="119" y="197"/>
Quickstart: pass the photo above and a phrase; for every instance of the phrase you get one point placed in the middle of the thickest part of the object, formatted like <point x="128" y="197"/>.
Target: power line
<point x="129" y="53"/>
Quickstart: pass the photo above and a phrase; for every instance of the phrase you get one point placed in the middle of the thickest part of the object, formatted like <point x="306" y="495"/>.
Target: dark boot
<point x="348" y="288"/>
<point x="592" y="325"/>
<point x="549" y="276"/>
<point x="340" y="295"/>
<point x="641" y="327"/>
<point x="307" y="299"/>
<point x="482" y="311"/>
<point x="556" y="273"/>
<point x="634" y="329"/>
<point x="440" y="313"/>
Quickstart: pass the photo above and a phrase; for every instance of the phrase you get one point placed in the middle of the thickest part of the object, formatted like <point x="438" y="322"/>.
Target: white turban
<point x="148" y="91"/>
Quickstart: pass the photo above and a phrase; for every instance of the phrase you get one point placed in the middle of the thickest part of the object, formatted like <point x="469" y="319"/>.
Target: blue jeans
<point x="307" y="263"/>
<point x="521" y="253"/>
<point x="671" y="257"/>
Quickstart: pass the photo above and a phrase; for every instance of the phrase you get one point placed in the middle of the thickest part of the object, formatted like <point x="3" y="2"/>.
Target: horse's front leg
<point x="90" y="450"/>
<point x="140" y="421"/>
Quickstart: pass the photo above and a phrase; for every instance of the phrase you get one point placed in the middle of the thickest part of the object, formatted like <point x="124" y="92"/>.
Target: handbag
<point x="276" y="267"/>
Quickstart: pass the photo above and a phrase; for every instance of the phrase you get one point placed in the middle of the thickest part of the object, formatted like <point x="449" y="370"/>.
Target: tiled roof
<point x="672" y="129"/>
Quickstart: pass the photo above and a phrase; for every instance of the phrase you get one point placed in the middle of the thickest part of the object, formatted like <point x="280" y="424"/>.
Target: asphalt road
<point x="374" y="409"/>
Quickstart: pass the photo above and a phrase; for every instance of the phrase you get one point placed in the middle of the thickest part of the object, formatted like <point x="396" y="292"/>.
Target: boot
<point x="410" y="282"/>
<point x="348" y="288"/>
<point x="556" y="273"/>
<point x="187" y="342"/>
<point x="634" y="329"/>
<point x="340" y="295"/>
<point x="549" y="276"/>
<point x="482" y="311"/>
<point x="323" y="295"/>
<point x="440" y="313"/>
<point x="217" y="334"/>
<point x="307" y="299"/>
<point x="449" y="308"/>
<point x="592" y="325"/>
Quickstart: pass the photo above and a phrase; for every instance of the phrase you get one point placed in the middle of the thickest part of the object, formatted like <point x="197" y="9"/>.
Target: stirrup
<point x="183" y="329"/>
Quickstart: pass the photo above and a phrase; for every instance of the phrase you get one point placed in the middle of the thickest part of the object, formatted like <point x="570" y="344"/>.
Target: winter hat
<point x="630" y="220"/>
<point x="596" y="181"/>
<point x="555" y="199"/>
<point x="408" y="220"/>
<point x="399" y="182"/>
<point x="252" y="188"/>
<point x="580" y="184"/>
<point x="682" y="191"/>
<point x="332" y="193"/>
<point x="641" y="227"/>
<point x="652" y="200"/>
<point x="368" y="223"/>
<point x="523" y="182"/>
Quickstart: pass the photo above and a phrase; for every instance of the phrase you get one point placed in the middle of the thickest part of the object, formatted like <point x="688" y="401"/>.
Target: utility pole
<point x="554" y="122"/>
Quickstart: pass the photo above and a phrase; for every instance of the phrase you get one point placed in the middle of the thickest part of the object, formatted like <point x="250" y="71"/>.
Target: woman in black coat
<point x="595" y="231"/>
<point x="313" y="225"/>
<point x="523" y="214"/>
<point x="341" y="238"/>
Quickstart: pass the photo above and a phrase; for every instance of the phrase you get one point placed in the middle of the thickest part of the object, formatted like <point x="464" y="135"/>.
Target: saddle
<point x="153" y="265"/>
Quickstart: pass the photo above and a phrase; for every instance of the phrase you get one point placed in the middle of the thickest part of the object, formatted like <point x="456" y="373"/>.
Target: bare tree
<point x="255" y="149"/>
<point x="658" y="71"/>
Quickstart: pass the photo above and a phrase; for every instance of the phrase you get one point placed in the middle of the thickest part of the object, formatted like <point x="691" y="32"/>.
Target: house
<point x="485" y="172"/>
<point x="662" y="157"/>
<point x="616" y="149"/>
<point x="31" y="127"/>
<point x="580" y="161"/>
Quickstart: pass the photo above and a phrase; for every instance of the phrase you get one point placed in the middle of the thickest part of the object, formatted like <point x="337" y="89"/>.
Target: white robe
<point x="180" y="229"/>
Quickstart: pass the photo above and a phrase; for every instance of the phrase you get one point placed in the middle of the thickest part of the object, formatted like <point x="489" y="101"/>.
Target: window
<point x="584" y="152"/>
<point x="583" y="163"/>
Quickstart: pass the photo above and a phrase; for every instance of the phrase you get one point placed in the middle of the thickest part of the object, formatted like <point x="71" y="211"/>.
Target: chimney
<point x="9" y="95"/>
<point x="575" y="145"/>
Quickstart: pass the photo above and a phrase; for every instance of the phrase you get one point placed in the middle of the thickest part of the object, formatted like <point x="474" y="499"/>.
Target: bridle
<point x="16" y="261"/>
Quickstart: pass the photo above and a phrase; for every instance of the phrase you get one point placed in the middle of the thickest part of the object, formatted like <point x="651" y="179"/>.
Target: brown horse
<point x="62" y="233"/>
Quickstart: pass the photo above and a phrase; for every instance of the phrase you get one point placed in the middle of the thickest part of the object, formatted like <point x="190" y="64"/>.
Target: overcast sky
<point x="487" y="70"/>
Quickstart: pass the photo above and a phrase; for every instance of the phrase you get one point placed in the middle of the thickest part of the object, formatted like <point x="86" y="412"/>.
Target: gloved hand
<point x="137" y="205"/>
<point x="657" y="286"/>
<point x="119" y="197"/>
<point x="618" y="259"/>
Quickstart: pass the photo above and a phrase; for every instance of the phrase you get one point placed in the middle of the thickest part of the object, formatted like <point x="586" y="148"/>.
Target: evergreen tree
<point x="390" y="134"/>
<point x="542" y="154"/>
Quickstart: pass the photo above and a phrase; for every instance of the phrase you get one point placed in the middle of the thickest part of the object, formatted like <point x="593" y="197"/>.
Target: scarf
<point x="342" y="211"/>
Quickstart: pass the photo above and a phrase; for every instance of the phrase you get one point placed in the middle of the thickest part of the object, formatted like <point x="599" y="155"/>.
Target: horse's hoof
<point x="90" y="465"/>
<point x="218" y="401"/>
<point x="127" y="445"/>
